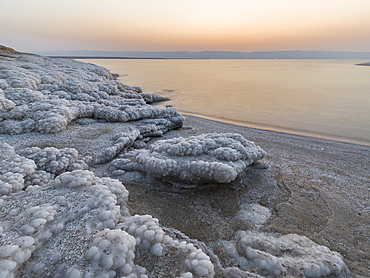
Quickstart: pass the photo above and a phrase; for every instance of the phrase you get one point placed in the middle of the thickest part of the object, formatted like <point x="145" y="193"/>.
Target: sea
<point x="320" y="98"/>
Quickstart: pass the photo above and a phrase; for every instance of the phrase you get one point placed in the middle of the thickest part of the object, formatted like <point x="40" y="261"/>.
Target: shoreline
<point x="306" y="189"/>
<point x="280" y="129"/>
<point x="348" y="126"/>
<point x="314" y="189"/>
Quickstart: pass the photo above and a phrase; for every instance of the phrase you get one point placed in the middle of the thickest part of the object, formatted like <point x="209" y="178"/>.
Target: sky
<point x="185" y="25"/>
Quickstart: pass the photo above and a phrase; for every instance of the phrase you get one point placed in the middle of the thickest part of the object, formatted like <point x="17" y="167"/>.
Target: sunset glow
<point x="167" y="25"/>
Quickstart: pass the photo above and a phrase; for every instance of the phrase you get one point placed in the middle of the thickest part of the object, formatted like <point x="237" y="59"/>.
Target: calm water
<point x="323" y="98"/>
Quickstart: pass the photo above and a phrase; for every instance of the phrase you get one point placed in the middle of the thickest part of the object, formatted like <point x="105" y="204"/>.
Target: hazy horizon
<point x="164" y="25"/>
<point x="294" y="54"/>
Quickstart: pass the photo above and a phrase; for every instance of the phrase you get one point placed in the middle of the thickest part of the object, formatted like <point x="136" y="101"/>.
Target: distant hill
<point x="364" y="64"/>
<point x="293" y="54"/>
<point x="5" y="48"/>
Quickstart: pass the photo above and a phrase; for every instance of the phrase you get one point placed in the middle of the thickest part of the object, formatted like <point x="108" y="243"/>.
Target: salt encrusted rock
<point x="5" y="104"/>
<point x="76" y="225"/>
<point x="157" y="127"/>
<point x="149" y="98"/>
<point x="45" y="95"/>
<point x="288" y="255"/>
<point x="122" y="142"/>
<point x="59" y="223"/>
<point x="34" y="167"/>
<point x="53" y="160"/>
<point x="149" y="236"/>
<point x="79" y="226"/>
<point x="38" y="177"/>
<point x="126" y="141"/>
<point x="14" y="169"/>
<point x="207" y="157"/>
<point x="112" y="252"/>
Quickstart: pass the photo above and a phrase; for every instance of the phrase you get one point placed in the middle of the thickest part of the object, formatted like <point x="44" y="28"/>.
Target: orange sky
<point x="194" y="25"/>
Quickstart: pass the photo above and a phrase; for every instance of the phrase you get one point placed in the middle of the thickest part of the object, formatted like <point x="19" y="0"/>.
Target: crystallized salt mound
<point x="14" y="169"/>
<point x="286" y="255"/>
<point x="150" y="236"/>
<point x="79" y="226"/>
<point x="53" y="160"/>
<point x="207" y="157"/>
<point x="54" y="226"/>
<point x="43" y="94"/>
<point x="112" y="252"/>
<point x="34" y="166"/>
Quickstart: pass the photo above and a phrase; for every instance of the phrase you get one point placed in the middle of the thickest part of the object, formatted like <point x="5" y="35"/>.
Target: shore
<point x="312" y="187"/>
<point x="315" y="187"/>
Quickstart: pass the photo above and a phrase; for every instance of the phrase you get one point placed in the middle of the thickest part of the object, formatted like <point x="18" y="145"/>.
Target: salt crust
<point x="76" y="224"/>
<point x="285" y="256"/>
<point x="34" y="167"/>
<point x="207" y="157"/>
<point x="42" y="94"/>
<point x="79" y="226"/>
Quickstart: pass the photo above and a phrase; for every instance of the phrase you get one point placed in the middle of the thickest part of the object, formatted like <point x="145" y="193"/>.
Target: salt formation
<point x="13" y="170"/>
<point x="122" y="142"/>
<point x="79" y="226"/>
<point x="286" y="255"/>
<point x="53" y="160"/>
<point x="149" y="236"/>
<point x="207" y="157"/>
<point x="45" y="95"/>
<point x="34" y="167"/>
<point x="112" y="250"/>
<point x="75" y="224"/>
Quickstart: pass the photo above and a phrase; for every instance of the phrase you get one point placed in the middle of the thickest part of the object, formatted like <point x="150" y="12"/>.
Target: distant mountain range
<point x="293" y="54"/>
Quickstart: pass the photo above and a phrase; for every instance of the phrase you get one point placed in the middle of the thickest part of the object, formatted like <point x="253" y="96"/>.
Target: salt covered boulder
<point x="286" y="256"/>
<point x="208" y="157"/>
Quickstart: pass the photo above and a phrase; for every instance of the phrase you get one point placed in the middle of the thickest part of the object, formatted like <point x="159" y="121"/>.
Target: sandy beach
<point x="312" y="187"/>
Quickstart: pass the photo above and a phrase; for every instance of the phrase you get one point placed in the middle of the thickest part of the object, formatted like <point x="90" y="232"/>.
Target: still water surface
<point x="323" y="98"/>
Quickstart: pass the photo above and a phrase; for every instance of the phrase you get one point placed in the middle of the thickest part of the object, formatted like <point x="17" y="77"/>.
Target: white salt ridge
<point x="207" y="157"/>
<point x="45" y="95"/>
<point x="122" y="142"/>
<point x="285" y="256"/>
<point x="53" y="160"/>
